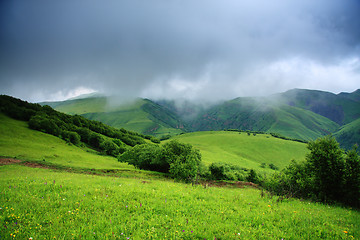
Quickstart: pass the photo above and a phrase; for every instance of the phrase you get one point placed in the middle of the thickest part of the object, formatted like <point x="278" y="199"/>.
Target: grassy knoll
<point x="18" y="141"/>
<point x="44" y="204"/>
<point x="243" y="150"/>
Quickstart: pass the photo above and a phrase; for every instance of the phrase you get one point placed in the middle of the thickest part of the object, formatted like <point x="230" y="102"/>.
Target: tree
<point x="327" y="165"/>
<point x="352" y="178"/>
<point x="183" y="159"/>
<point x="178" y="159"/>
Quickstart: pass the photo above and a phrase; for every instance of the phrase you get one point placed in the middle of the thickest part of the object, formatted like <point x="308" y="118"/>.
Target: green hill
<point x="257" y="114"/>
<point x="140" y="115"/>
<point x="341" y="108"/>
<point x="18" y="141"/>
<point x="349" y="134"/>
<point x="298" y="113"/>
<point x="244" y="150"/>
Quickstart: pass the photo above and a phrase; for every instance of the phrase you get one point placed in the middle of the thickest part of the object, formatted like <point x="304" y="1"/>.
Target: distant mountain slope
<point x="298" y="113"/>
<point x="342" y="108"/>
<point x="349" y="134"/>
<point x="260" y="115"/>
<point x="141" y="115"/>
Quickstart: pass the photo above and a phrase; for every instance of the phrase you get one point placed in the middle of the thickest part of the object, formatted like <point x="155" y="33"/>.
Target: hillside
<point x="140" y="115"/>
<point x="243" y="150"/>
<point x="341" y="108"/>
<point x="298" y="113"/>
<point x="20" y="142"/>
<point x="260" y="115"/>
<point x="349" y="134"/>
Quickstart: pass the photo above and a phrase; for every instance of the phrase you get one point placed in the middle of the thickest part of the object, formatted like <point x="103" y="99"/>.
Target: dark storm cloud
<point x="193" y="49"/>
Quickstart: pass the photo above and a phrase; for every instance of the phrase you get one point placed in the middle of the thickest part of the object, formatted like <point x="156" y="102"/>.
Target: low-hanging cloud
<point x="192" y="49"/>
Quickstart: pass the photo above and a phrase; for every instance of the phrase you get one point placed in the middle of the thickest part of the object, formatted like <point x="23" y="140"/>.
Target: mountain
<point x="298" y="113"/>
<point x="257" y="114"/>
<point x="341" y="108"/>
<point x="141" y="115"/>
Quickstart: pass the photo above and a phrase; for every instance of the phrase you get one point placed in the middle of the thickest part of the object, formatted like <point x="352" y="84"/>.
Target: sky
<point x="189" y="49"/>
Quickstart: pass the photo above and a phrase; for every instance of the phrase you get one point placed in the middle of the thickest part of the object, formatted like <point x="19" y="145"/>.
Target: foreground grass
<point x="18" y="141"/>
<point x="45" y="204"/>
<point x="243" y="150"/>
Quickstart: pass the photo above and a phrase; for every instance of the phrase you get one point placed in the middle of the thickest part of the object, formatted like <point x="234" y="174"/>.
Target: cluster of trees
<point x="329" y="174"/>
<point x="74" y="129"/>
<point x="180" y="160"/>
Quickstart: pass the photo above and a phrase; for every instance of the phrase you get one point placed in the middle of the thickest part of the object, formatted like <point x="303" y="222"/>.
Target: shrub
<point x="71" y="137"/>
<point x="225" y="171"/>
<point x="178" y="159"/>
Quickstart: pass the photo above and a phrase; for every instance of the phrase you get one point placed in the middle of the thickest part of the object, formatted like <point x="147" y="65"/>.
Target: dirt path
<point x="8" y="161"/>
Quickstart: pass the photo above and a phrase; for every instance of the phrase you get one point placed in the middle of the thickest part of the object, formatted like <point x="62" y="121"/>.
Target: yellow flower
<point x="345" y="231"/>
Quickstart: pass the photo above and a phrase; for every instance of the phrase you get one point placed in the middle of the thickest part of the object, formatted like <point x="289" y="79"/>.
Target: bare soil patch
<point x="8" y="161"/>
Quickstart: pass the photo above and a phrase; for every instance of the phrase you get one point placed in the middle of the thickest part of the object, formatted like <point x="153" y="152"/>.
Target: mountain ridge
<point x="297" y="113"/>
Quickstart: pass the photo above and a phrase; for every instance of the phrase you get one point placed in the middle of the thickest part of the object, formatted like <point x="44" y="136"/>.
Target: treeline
<point x="276" y="135"/>
<point x="74" y="129"/>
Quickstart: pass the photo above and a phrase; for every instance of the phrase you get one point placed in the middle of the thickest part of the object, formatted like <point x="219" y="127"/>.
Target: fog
<point x="196" y="50"/>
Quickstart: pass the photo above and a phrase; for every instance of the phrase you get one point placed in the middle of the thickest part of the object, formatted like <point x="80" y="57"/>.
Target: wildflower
<point x="30" y="238"/>
<point x="345" y="231"/>
<point x="269" y="205"/>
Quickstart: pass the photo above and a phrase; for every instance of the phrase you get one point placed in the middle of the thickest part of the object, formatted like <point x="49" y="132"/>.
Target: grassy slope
<point x="349" y="134"/>
<point x="44" y="204"/>
<point x="132" y="115"/>
<point x="342" y="108"/>
<point x="301" y="124"/>
<point x="18" y="141"/>
<point x="264" y="115"/>
<point x="243" y="150"/>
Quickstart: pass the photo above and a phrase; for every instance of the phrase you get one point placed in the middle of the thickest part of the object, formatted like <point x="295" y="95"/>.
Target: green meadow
<point x="46" y="204"/>
<point x="244" y="150"/>
<point x="38" y="203"/>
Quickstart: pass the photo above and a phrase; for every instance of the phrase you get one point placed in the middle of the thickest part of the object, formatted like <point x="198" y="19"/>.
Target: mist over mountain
<point x="298" y="113"/>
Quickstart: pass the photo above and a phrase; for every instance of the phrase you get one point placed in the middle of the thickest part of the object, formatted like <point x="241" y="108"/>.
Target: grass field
<point x="243" y="150"/>
<point x="44" y="204"/>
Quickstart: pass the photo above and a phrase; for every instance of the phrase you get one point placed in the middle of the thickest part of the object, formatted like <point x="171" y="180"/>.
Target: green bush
<point x="180" y="160"/>
<point x="328" y="174"/>
<point x="71" y="137"/>
<point x="225" y="171"/>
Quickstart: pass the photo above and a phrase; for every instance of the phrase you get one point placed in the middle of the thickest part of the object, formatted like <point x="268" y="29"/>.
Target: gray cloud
<point x="193" y="49"/>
